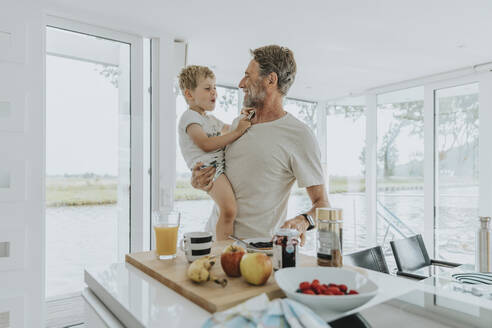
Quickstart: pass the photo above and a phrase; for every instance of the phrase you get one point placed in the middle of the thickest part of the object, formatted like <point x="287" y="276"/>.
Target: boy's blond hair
<point x="191" y="75"/>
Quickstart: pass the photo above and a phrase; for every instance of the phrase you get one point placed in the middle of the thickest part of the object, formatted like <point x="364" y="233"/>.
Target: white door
<point x="22" y="129"/>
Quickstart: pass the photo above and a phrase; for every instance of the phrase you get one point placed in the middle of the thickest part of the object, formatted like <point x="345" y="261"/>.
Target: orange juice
<point x="166" y="238"/>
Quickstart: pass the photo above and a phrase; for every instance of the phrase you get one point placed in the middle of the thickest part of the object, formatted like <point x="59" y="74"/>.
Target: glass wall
<point x="346" y="135"/>
<point x="457" y="127"/>
<point x="400" y="164"/>
<point x="196" y="205"/>
<point x="87" y="156"/>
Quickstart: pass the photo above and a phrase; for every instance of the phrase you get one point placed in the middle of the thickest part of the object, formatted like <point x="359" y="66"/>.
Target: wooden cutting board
<point x="209" y="295"/>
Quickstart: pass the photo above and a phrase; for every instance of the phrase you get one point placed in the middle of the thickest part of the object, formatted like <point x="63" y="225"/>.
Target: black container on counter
<point x="285" y="248"/>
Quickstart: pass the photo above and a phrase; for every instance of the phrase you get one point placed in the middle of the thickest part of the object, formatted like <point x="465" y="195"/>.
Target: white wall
<point x="22" y="158"/>
<point x="22" y="147"/>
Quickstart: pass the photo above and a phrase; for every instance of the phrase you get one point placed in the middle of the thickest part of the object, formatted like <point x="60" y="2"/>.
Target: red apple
<point x="230" y="259"/>
<point x="256" y="268"/>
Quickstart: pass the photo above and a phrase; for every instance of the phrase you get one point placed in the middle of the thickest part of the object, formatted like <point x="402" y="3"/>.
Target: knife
<point x="242" y="242"/>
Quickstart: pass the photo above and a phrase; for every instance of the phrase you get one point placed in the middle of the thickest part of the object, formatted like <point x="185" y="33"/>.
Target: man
<point x="278" y="149"/>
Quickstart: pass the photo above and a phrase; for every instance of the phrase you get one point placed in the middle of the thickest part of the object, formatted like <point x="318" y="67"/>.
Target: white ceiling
<point x="341" y="47"/>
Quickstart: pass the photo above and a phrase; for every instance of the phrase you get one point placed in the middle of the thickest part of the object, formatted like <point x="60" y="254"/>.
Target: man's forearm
<point x="317" y="204"/>
<point x="319" y="198"/>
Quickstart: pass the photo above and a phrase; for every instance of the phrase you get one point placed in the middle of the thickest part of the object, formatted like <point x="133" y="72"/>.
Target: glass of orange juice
<point x="166" y="234"/>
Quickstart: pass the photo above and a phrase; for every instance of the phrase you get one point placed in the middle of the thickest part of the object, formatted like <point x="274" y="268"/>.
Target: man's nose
<point x="241" y="83"/>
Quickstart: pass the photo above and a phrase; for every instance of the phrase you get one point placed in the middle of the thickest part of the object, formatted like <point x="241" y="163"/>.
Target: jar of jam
<point x="285" y="248"/>
<point x="330" y="237"/>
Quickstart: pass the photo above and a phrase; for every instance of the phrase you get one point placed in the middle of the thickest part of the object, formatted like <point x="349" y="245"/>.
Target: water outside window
<point x="87" y="155"/>
<point x="400" y="164"/>
<point x="457" y="123"/>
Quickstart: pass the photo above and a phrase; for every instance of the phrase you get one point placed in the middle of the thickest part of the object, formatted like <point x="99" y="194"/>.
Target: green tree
<point x="387" y="153"/>
<point x="228" y="98"/>
<point x="110" y="72"/>
<point x="458" y="129"/>
<point x="306" y="111"/>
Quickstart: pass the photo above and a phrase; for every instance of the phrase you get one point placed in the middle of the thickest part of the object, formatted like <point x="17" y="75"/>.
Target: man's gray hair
<point x="279" y="60"/>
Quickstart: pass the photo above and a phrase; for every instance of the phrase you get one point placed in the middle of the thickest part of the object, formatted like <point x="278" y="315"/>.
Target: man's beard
<point x="255" y="96"/>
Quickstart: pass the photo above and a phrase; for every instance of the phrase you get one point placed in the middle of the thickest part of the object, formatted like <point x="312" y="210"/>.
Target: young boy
<point x="203" y="137"/>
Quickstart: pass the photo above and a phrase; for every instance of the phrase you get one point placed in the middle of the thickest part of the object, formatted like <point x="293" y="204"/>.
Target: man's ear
<point x="272" y="78"/>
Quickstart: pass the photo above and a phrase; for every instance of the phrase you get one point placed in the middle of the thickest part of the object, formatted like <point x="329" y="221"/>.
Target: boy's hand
<point x="245" y="111"/>
<point x="243" y="125"/>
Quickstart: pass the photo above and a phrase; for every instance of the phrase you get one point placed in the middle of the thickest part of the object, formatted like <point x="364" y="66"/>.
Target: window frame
<point x="138" y="173"/>
<point x="430" y="140"/>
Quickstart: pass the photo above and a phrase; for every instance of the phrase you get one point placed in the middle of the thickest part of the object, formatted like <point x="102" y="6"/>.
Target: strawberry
<point x="342" y="287"/>
<point x="353" y="292"/>
<point x="333" y="290"/>
<point x="304" y="285"/>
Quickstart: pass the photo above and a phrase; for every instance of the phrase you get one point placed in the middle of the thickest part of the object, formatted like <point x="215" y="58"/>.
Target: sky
<point x="81" y="119"/>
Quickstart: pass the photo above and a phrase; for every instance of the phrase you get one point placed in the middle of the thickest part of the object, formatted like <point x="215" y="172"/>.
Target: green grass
<point x="79" y="191"/>
<point x="184" y="191"/>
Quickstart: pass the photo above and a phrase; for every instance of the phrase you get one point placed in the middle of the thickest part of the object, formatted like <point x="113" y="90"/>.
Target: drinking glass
<point x="166" y="227"/>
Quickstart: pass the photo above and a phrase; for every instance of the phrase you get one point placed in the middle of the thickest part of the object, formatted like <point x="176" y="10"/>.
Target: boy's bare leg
<point x="223" y="195"/>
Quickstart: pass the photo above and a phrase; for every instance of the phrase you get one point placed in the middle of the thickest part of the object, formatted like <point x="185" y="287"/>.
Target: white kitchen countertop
<point x="138" y="300"/>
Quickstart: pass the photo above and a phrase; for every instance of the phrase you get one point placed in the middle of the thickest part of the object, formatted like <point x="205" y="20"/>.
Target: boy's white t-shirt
<point x="192" y="154"/>
<point x="262" y="166"/>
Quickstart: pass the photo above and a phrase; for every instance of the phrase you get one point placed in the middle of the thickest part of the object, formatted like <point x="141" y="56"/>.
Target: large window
<point x="400" y="164"/>
<point x="457" y="127"/>
<point x="196" y="205"/>
<point x="345" y="166"/>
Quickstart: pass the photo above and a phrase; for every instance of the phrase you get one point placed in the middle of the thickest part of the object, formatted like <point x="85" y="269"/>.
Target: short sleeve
<point x="306" y="161"/>
<point x="218" y="123"/>
<point x="189" y="117"/>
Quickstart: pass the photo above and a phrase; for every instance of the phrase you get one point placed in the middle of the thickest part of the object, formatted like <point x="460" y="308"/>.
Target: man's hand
<point x="300" y="224"/>
<point x="202" y="178"/>
<point x="319" y="199"/>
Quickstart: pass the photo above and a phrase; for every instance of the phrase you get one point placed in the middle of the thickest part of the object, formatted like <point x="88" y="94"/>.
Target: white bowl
<point x="288" y="280"/>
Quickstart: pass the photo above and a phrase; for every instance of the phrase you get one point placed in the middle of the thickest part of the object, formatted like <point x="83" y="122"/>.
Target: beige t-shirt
<point x="262" y="166"/>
